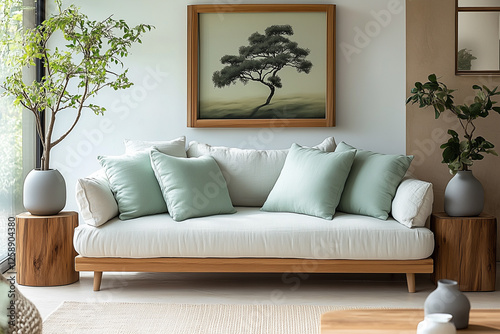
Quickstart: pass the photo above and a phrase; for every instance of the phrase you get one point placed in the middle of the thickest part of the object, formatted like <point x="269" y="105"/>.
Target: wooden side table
<point x="465" y="250"/>
<point x="45" y="254"/>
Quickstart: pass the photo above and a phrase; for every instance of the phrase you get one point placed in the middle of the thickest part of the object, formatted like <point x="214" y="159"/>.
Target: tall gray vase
<point x="447" y="298"/>
<point x="463" y="196"/>
<point x="44" y="192"/>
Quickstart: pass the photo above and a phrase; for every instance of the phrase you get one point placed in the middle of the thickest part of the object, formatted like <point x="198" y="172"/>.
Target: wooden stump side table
<point x="45" y="254"/>
<point x="465" y="250"/>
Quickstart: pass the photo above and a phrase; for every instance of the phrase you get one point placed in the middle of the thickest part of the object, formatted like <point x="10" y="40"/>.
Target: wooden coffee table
<point x="378" y="321"/>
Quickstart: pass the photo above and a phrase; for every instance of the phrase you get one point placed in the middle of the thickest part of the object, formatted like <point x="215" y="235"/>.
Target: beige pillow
<point x="250" y="174"/>
<point x="412" y="204"/>
<point x="95" y="200"/>
<point x="175" y="147"/>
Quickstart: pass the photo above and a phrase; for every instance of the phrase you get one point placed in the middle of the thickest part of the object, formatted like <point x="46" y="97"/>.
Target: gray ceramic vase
<point x="44" y="192"/>
<point x="464" y="196"/>
<point x="447" y="298"/>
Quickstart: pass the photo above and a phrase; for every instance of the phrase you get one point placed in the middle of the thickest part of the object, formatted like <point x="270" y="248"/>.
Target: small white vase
<point x="447" y="298"/>
<point x="44" y="192"/>
<point x="436" y="323"/>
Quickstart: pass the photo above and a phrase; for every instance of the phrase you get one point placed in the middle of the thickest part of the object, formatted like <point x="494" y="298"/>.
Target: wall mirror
<point x="477" y="37"/>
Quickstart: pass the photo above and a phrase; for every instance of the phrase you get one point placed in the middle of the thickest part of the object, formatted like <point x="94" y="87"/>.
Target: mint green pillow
<point x="372" y="182"/>
<point x="191" y="187"/>
<point x="134" y="185"/>
<point x="311" y="182"/>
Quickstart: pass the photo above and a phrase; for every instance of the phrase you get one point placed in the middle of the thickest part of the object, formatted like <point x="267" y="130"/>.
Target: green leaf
<point x="492" y="152"/>
<point x="479" y="140"/>
<point x="466" y="162"/>
<point x="455" y="167"/>
<point x="450" y="154"/>
<point x="436" y="113"/>
<point x="432" y="78"/>
<point x="464" y="146"/>
<point x="453" y="133"/>
<point x="487" y="145"/>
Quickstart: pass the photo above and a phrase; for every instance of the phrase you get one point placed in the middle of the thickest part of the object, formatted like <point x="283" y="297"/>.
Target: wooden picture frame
<point x="306" y="95"/>
<point x="479" y="40"/>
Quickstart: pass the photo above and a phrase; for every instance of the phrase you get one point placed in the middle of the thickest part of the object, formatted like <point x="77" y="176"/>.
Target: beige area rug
<point x="114" y="318"/>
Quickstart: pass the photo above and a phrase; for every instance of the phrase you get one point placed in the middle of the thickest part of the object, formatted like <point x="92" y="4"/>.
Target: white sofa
<point x="250" y="239"/>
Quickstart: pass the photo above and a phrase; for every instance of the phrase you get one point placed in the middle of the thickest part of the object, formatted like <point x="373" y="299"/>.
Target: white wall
<point x="370" y="93"/>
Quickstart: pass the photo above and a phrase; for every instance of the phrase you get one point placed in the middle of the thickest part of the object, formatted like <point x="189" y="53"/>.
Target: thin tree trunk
<point x="46" y="158"/>
<point x="271" y="87"/>
<point x="270" y="95"/>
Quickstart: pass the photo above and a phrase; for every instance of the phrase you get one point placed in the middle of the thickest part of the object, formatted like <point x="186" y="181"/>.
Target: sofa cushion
<point x="372" y="182"/>
<point x="252" y="233"/>
<point x="191" y="187"/>
<point x="412" y="204"/>
<point x="250" y="174"/>
<point x="134" y="184"/>
<point x="95" y="200"/>
<point x="175" y="147"/>
<point x="311" y="182"/>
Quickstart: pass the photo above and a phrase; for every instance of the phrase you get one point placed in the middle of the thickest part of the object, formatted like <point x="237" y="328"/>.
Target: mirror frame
<point x="471" y="9"/>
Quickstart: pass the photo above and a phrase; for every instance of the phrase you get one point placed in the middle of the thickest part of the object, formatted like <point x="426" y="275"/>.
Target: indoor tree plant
<point x="88" y="60"/>
<point x="464" y="195"/>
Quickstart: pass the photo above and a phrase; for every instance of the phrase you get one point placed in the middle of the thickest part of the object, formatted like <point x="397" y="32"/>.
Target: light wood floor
<point x="348" y="290"/>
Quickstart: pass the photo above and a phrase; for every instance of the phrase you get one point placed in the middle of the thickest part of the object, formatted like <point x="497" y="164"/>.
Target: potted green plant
<point x="464" y="195"/>
<point x="88" y="61"/>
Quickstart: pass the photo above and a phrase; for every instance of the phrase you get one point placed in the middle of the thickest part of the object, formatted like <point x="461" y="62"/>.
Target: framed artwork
<point x="265" y="65"/>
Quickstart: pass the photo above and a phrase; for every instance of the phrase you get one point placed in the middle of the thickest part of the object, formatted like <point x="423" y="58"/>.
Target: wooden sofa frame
<point x="252" y="265"/>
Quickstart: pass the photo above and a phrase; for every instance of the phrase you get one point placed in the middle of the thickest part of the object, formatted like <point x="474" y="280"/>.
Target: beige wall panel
<point x="430" y="48"/>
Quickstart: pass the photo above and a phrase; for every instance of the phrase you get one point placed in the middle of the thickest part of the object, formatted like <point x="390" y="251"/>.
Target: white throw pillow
<point x="175" y="147"/>
<point x="95" y="200"/>
<point x="412" y="204"/>
<point x="250" y="174"/>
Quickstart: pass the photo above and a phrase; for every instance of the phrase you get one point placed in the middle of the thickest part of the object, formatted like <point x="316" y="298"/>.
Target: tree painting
<point x="262" y="59"/>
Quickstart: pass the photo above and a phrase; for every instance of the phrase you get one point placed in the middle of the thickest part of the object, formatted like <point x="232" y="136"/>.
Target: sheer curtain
<point x="17" y="132"/>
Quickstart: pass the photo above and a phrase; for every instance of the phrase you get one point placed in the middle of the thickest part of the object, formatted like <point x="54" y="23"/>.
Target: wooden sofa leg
<point x="97" y="280"/>
<point x="410" y="280"/>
